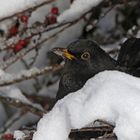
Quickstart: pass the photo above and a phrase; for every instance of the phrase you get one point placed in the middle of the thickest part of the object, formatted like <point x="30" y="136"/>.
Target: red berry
<point x="23" y="42"/>
<point x="13" y="30"/>
<point x="8" y="136"/>
<point x="17" y="48"/>
<point x="20" y="45"/>
<point x="24" y="18"/>
<point x="52" y="19"/>
<point x="55" y="10"/>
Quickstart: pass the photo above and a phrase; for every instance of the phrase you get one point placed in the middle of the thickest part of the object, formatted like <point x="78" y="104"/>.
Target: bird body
<point x="78" y="70"/>
<point x="129" y="55"/>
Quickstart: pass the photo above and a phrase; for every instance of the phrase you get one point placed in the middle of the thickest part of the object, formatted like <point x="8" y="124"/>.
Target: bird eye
<point x="85" y="56"/>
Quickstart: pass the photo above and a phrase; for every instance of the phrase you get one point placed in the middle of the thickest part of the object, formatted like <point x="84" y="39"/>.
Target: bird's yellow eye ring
<point x="85" y="56"/>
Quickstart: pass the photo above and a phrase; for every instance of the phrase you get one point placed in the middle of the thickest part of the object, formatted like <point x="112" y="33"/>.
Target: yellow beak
<point x="64" y="53"/>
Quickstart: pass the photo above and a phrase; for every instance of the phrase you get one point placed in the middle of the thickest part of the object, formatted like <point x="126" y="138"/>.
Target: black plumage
<point x="83" y="60"/>
<point x="129" y="55"/>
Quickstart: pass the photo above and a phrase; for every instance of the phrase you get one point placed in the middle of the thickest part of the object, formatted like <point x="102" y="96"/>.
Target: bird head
<point x="85" y="55"/>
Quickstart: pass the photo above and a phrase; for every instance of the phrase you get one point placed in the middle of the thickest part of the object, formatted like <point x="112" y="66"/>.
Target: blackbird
<point x="84" y="59"/>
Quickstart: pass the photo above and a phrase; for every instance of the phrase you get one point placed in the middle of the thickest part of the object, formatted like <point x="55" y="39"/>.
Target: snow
<point x="7" y="77"/>
<point x="110" y="95"/>
<point x="18" y="135"/>
<point x="14" y="6"/>
<point x="13" y="91"/>
<point x="77" y="9"/>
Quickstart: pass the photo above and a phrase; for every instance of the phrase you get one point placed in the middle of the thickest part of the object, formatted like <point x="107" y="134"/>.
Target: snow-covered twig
<point x="87" y="132"/>
<point x="8" y="79"/>
<point x="90" y="25"/>
<point x="24" y="52"/>
<point x="22" y="105"/>
<point x="29" y="9"/>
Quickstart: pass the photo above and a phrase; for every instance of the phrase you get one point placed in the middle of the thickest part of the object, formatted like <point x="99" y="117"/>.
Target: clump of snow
<point x="9" y="7"/>
<point x="18" y="135"/>
<point x="77" y="9"/>
<point x="110" y="95"/>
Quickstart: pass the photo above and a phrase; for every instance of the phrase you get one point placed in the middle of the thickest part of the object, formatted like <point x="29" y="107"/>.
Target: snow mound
<point x="77" y="9"/>
<point x="110" y="95"/>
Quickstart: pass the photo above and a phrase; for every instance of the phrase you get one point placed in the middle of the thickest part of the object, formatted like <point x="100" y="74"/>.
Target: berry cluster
<point x="20" y="45"/>
<point x="52" y="18"/>
<point x="7" y="136"/>
<point x="13" y="31"/>
<point x="24" y="19"/>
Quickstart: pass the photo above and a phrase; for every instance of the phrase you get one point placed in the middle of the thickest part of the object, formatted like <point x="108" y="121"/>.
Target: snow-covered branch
<point x="33" y="108"/>
<point x="29" y="7"/>
<point x="8" y="79"/>
<point x="25" y="51"/>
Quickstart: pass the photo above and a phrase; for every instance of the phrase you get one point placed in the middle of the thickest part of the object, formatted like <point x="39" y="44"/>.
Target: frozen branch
<point x="31" y="9"/>
<point x="24" y="52"/>
<point x="22" y="105"/>
<point x="88" y="132"/>
<point x="8" y="79"/>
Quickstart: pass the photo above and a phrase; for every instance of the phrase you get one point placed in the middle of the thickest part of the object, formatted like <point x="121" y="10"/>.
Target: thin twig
<point x="27" y="74"/>
<point x="22" y="105"/>
<point x="29" y="9"/>
<point x="27" y="50"/>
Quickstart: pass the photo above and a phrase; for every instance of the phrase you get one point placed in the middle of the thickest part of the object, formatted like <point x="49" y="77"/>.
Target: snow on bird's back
<point x="110" y="95"/>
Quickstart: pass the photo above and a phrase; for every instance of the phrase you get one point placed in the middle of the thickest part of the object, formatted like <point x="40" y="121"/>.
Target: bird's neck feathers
<point x="105" y="62"/>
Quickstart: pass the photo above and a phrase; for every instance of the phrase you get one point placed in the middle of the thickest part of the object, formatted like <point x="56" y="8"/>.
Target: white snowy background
<point x="104" y="33"/>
